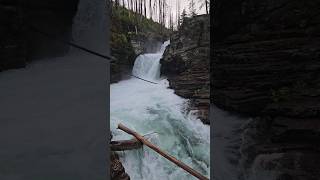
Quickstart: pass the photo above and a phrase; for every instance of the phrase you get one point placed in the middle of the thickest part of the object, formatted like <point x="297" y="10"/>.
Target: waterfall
<point x="147" y="66"/>
<point x="90" y="25"/>
<point x="156" y="109"/>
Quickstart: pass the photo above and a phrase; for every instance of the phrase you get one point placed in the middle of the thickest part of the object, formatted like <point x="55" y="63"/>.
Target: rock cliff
<point x="266" y="65"/>
<point x="186" y="63"/>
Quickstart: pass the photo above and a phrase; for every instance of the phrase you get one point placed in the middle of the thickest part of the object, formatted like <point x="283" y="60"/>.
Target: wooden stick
<point x="163" y="153"/>
<point x="125" y="145"/>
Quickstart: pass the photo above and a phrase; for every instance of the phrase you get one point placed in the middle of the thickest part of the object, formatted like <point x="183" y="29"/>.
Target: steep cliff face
<point x="19" y="44"/>
<point x="186" y="63"/>
<point x="266" y="65"/>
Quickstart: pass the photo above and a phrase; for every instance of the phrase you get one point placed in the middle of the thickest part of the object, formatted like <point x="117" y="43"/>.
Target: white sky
<point x="184" y="5"/>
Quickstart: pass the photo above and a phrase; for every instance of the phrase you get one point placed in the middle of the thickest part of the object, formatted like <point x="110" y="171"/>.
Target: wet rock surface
<point x="186" y="63"/>
<point x="116" y="168"/>
<point x="117" y="171"/>
<point x="266" y="66"/>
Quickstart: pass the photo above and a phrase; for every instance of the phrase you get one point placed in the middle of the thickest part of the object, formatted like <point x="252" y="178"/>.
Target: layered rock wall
<point x="186" y="63"/>
<point x="266" y="65"/>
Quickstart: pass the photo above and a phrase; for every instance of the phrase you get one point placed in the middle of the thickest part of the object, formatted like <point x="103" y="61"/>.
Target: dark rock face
<point x="147" y="43"/>
<point x="186" y="63"/>
<point x="19" y="44"/>
<point x="117" y="170"/>
<point x="266" y="65"/>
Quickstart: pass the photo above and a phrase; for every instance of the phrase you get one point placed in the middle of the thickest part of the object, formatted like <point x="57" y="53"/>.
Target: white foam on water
<point x="147" y="66"/>
<point x="147" y="108"/>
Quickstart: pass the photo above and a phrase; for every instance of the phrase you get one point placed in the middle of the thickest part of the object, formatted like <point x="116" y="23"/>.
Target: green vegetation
<point x="127" y="25"/>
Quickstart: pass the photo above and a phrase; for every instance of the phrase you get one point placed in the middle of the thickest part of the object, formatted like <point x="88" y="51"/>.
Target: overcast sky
<point x="185" y="5"/>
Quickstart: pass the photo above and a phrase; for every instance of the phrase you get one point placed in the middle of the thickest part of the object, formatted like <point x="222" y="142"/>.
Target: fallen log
<point x="125" y="145"/>
<point x="163" y="153"/>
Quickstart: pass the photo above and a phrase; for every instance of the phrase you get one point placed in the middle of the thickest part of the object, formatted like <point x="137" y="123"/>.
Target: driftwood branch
<point x="125" y="145"/>
<point x="162" y="153"/>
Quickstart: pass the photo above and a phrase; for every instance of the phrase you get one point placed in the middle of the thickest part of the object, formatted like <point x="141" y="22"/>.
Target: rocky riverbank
<point x="266" y="66"/>
<point x="186" y="63"/>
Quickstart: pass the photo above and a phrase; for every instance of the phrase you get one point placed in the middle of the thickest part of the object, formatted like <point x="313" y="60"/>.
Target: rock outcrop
<point x="147" y="43"/>
<point x="186" y="63"/>
<point x="266" y="65"/>
<point x="124" y="53"/>
<point x="117" y="171"/>
<point x="116" y="168"/>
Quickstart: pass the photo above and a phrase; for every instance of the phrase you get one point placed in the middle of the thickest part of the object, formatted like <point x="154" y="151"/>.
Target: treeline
<point x="161" y="11"/>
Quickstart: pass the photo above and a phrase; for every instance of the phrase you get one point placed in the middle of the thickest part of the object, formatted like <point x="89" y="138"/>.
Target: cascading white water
<point x="147" y="66"/>
<point x="154" y="108"/>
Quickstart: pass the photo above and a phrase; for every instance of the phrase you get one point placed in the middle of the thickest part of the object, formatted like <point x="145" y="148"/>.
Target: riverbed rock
<point x="266" y="66"/>
<point x="186" y="63"/>
<point x="117" y="170"/>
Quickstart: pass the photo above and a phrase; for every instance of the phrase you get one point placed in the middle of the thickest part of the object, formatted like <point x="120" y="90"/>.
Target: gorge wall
<point x="19" y="44"/>
<point x="266" y="66"/>
<point x="186" y="63"/>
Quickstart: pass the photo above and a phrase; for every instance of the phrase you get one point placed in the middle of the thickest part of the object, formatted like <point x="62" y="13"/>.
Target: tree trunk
<point x="145" y="8"/>
<point x="125" y="145"/>
<point x="162" y="153"/>
<point x="207" y="7"/>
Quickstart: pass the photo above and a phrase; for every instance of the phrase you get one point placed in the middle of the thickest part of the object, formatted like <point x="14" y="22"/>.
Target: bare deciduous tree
<point x="192" y="8"/>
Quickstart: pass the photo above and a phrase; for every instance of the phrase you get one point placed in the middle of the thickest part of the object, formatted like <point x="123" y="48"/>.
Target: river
<point x="155" y="111"/>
